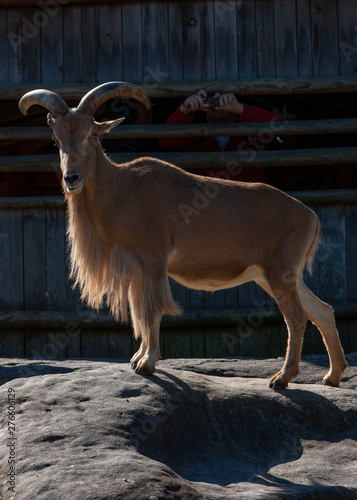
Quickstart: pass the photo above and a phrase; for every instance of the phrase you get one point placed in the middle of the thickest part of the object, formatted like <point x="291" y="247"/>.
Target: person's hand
<point x="229" y="103"/>
<point x="194" y="103"/>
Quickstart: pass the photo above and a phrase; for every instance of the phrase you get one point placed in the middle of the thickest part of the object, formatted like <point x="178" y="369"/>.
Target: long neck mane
<point x="110" y="271"/>
<point x="103" y="272"/>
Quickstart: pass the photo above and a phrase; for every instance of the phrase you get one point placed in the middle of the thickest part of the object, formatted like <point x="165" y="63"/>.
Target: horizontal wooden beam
<point x="326" y="197"/>
<point x="256" y="86"/>
<point x="88" y="319"/>
<point x="190" y="318"/>
<point x="339" y="197"/>
<point x="30" y="163"/>
<point x="216" y="160"/>
<point x="299" y="127"/>
<point x="35" y="3"/>
<point x="25" y="134"/>
<point x="44" y="202"/>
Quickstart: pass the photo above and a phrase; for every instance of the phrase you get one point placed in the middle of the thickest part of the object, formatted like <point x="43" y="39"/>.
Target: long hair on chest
<point x="114" y="275"/>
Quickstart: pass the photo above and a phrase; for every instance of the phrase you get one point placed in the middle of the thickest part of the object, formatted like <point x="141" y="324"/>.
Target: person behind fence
<point x="219" y="108"/>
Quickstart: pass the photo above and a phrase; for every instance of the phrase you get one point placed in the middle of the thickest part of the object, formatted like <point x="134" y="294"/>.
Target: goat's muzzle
<point x="73" y="183"/>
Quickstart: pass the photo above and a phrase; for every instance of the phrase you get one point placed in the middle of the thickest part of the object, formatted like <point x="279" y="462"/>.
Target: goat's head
<point x="75" y="130"/>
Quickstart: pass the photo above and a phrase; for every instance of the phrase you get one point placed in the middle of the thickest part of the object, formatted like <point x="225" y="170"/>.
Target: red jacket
<point x="210" y="144"/>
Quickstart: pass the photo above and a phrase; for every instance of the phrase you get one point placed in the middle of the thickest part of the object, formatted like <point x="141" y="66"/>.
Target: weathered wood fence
<point x="42" y="315"/>
<point x="171" y="49"/>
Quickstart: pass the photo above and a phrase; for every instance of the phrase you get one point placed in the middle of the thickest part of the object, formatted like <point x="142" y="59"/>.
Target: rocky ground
<point x="198" y="429"/>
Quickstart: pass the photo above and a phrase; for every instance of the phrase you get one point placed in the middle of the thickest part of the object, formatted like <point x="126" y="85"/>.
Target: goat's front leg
<point x="150" y="347"/>
<point x="150" y="297"/>
<point x="138" y="355"/>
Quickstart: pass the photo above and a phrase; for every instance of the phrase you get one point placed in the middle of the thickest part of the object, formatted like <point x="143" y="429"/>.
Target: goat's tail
<point x="314" y="246"/>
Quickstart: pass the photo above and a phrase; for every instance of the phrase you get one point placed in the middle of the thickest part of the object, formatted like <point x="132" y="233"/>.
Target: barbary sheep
<point x="128" y="234"/>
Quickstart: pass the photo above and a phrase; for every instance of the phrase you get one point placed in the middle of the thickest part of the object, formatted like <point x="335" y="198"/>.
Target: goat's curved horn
<point x="91" y="101"/>
<point x="49" y="100"/>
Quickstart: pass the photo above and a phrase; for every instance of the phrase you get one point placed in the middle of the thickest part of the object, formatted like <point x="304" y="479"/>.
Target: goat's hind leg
<point x="322" y="315"/>
<point x="289" y="303"/>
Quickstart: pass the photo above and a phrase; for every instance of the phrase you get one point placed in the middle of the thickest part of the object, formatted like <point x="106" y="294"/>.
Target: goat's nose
<point x="71" y="179"/>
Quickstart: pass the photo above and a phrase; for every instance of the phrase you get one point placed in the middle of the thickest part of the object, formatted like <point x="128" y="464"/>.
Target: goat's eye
<point x="93" y="136"/>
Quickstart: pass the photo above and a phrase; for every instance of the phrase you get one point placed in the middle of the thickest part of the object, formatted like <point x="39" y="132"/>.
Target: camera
<point x="210" y="102"/>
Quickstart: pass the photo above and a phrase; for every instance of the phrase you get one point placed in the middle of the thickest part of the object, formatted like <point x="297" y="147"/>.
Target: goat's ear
<point x="51" y="120"/>
<point x="107" y="126"/>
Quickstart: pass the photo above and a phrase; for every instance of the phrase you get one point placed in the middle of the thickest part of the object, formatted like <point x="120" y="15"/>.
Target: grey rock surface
<point x="197" y="429"/>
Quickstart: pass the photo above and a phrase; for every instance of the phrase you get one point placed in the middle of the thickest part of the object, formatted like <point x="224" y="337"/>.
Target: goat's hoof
<point x="133" y="365"/>
<point x="328" y="383"/>
<point x="277" y="382"/>
<point x="278" y="385"/>
<point x="143" y="370"/>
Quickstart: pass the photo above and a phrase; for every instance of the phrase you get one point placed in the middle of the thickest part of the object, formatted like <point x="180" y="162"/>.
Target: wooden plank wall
<point x="34" y="277"/>
<point x="155" y="42"/>
<point x="172" y="41"/>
